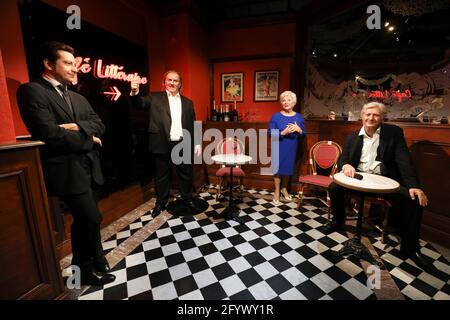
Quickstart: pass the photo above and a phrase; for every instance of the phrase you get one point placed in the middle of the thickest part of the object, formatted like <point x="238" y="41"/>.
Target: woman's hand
<point x="287" y="130"/>
<point x="295" y="127"/>
<point x="291" y="128"/>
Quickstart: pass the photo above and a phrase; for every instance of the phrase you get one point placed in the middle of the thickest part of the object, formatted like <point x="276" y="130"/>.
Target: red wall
<point x="239" y="44"/>
<point x="185" y="45"/>
<point x="199" y="69"/>
<point x="258" y="111"/>
<point x="7" y="128"/>
<point x="13" y="59"/>
<point x="124" y="18"/>
<point x="233" y="42"/>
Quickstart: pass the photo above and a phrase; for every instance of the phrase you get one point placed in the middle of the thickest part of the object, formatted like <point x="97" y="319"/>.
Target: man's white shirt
<point x="176" y="129"/>
<point x="367" y="162"/>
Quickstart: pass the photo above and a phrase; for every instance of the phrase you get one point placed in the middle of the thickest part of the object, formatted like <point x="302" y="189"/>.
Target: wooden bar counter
<point x="29" y="268"/>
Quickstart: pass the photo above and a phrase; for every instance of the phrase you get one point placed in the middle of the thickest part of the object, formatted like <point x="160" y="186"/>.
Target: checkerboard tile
<point x="278" y="253"/>
<point x="414" y="283"/>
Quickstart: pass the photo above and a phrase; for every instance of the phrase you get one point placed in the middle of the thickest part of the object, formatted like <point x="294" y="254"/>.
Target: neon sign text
<point x="396" y="94"/>
<point x="111" y="71"/>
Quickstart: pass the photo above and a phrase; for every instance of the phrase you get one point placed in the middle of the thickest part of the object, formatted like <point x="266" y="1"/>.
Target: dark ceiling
<point x="418" y="38"/>
<point x="223" y="10"/>
<point x="337" y="28"/>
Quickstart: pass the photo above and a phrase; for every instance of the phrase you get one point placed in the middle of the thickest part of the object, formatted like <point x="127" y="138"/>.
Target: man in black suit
<point x="380" y="148"/>
<point x="171" y="122"/>
<point x="71" y="130"/>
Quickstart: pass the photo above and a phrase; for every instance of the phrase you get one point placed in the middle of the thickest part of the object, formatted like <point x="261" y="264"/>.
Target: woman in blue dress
<point x="285" y="127"/>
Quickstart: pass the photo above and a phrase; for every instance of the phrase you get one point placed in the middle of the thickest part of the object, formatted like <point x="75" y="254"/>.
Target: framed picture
<point x="266" y="85"/>
<point x="232" y="87"/>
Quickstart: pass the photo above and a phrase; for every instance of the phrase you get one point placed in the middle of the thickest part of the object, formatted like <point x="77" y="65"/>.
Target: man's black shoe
<point x="95" y="278"/>
<point x="192" y="205"/>
<point x="102" y="265"/>
<point x="333" y="226"/>
<point x="158" y="209"/>
<point x="426" y="266"/>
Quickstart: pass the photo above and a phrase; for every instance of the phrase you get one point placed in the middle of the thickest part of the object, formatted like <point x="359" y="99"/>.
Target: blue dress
<point x="284" y="163"/>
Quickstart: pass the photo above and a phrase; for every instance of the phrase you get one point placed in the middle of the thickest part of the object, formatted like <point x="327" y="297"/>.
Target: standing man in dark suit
<point x="380" y="148"/>
<point x="71" y="130"/>
<point x="172" y="119"/>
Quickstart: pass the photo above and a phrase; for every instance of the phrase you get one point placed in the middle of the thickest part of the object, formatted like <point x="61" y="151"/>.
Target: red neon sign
<point x="396" y="94"/>
<point x="114" y="93"/>
<point x="111" y="71"/>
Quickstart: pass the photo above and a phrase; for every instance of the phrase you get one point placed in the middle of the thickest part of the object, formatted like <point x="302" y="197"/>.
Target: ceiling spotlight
<point x="335" y="55"/>
<point x="386" y="23"/>
<point x="397" y="39"/>
<point x="391" y="28"/>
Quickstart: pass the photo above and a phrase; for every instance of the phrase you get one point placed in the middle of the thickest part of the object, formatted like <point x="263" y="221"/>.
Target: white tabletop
<point x="370" y="183"/>
<point x="231" y="159"/>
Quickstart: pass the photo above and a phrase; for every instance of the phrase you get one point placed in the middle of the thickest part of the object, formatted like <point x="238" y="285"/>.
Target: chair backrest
<point x="324" y="155"/>
<point x="230" y="145"/>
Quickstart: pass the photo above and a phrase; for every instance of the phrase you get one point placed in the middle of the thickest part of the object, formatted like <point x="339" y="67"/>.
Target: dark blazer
<point x="393" y="153"/>
<point x="69" y="158"/>
<point x="160" y="120"/>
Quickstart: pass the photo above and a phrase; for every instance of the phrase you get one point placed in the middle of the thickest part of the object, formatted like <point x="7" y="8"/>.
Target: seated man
<point x="380" y="148"/>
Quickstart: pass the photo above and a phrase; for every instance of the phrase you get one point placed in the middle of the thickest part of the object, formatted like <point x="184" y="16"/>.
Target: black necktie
<point x="66" y="97"/>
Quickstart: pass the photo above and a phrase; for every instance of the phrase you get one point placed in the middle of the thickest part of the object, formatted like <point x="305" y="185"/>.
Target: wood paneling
<point x="27" y="251"/>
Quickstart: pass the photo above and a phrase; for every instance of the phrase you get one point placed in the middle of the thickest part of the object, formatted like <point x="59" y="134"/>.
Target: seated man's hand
<point x="423" y="200"/>
<point x="348" y="170"/>
<point x="70" y="126"/>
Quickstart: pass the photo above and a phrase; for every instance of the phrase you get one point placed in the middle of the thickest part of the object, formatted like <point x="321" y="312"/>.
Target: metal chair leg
<point x="219" y="189"/>
<point x="328" y="206"/>
<point x="300" y="196"/>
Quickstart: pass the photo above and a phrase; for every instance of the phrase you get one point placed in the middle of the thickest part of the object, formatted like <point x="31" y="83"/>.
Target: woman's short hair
<point x="374" y="104"/>
<point x="290" y="94"/>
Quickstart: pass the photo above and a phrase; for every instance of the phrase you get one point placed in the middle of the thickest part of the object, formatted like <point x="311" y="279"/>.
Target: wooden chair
<point x="323" y="157"/>
<point x="230" y="145"/>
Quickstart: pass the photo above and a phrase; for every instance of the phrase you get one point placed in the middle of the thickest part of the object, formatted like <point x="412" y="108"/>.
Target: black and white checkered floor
<point x="278" y="253"/>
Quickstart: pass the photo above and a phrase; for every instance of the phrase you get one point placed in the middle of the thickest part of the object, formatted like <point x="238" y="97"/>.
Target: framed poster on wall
<point x="266" y="85"/>
<point x="232" y="87"/>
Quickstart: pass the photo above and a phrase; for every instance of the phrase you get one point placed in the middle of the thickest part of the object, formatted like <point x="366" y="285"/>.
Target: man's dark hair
<point x="49" y="50"/>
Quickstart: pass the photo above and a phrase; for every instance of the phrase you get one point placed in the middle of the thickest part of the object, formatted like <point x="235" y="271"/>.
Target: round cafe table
<point x="231" y="160"/>
<point x="370" y="183"/>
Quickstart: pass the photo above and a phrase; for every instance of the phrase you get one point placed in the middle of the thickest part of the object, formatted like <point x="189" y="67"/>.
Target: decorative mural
<point x="425" y="96"/>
